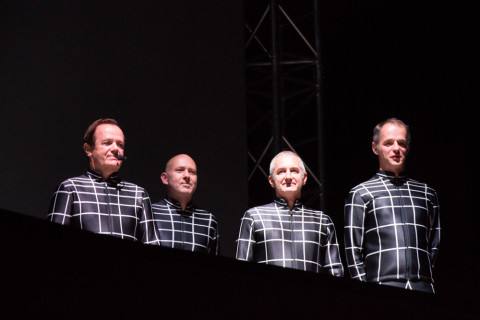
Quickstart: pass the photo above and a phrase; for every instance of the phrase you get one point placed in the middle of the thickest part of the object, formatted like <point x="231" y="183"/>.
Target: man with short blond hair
<point x="392" y="223"/>
<point x="286" y="233"/>
<point x="179" y="223"/>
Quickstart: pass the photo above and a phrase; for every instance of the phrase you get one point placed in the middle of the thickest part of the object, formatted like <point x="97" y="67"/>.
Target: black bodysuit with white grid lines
<point x="300" y="238"/>
<point x="192" y="229"/>
<point x="114" y="207"/>
<point x="392" y="229"/>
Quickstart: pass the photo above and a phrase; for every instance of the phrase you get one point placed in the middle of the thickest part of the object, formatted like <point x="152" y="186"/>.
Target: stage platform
<point x="51" y="271"/>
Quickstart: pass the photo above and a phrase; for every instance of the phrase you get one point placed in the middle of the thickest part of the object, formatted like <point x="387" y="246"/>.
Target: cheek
<point x="100" y="151"/>
<point x="177" y="179"/>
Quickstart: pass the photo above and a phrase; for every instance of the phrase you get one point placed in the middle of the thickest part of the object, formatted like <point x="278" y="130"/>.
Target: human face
<point x="109" y="142"/>
<point x="180" y="177"/>
<point x="392" y="149"/>
<point x="287" y="178"/>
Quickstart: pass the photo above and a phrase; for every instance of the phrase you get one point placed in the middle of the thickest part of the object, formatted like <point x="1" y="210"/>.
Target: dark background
<point x="172" y="73"/>
<point x="417" y="62"/>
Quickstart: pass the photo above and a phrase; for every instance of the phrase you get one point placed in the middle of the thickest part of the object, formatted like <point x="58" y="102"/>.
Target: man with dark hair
<point x="392" y="223"/>
<point x="285" y="233"/>
<point x="180" y="224"/>
<point x="99" y="201"/>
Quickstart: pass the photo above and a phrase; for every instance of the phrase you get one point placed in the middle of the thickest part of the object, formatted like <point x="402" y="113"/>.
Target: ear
<point x="164" y="178"/>
<point x="270" y="180"/>
<point x="87" y="149"/>
<point x="374" y="148"/>
<point x="305" y="178"/>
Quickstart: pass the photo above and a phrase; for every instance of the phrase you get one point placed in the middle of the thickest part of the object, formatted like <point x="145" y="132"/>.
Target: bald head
<point x="177" y="158"/>
<point x="180" y="177"/>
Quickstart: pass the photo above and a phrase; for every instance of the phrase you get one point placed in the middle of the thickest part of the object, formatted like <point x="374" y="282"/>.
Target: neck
<point x="290" y="202"/>
<point x="105" y="175"/>
<point x="396" y="172"/>
<point x="183" y="201"/>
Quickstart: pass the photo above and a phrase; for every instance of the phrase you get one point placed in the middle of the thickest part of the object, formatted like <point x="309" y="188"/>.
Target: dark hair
<point x="378" y="128"/>
<point x="89" y="137"/>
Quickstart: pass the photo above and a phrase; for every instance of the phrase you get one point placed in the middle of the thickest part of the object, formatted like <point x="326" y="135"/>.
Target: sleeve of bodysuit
<point x="434" y="232"/>
<point x="146" y="228"/>
<point x="214" y="243"/>
<point x="354" y="215"/>
<point x="331" y="260"/>
<point x="60" y="209"/>
<point x="246" y="240"/>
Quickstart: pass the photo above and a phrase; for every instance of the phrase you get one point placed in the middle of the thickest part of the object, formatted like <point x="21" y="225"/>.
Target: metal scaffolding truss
<point x="284" y="99"/>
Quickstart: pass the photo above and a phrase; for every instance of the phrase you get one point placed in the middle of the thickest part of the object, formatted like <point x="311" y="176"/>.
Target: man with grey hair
<point x="392" y="223"/>
<point x="285" y="233"/>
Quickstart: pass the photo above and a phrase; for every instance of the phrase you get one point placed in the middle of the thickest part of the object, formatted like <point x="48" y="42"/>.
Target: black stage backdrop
<point x="172" y="73"/>
<point x="418" y="62"/>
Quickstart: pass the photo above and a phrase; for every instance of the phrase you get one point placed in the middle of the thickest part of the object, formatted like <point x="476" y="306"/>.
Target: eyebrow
<point x="393" y="139"/>
<point x="280" y="168"/>
<point x="184" y="167"/>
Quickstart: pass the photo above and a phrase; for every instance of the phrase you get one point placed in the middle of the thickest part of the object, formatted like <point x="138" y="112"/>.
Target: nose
<point x="396" y="146"/>
<point x="114" y="146"/>
<point x="186" y="175"/>
<point x="288" y="175"/>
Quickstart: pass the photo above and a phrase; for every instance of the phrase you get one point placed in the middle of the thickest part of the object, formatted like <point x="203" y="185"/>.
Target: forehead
<point x="109" y="130"/>
<point x="393" y="130"/>
<point x="182" y="161"/>
<point x="286" y="161"/>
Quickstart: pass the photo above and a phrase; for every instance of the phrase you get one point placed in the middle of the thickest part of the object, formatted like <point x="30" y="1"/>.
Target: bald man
<point x="179" y="223"/>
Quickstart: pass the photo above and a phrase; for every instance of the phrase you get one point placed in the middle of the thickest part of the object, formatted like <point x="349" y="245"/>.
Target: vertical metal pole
<point x="320" y="114"/>
<point x="276" y="99"/>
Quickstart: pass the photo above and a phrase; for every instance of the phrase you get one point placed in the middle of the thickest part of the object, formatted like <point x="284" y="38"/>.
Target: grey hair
<point x="302" y="166"/>
<point x="378" y="128"/>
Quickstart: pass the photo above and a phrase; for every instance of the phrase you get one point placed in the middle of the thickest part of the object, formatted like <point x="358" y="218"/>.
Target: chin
<point x="289" y="191"/>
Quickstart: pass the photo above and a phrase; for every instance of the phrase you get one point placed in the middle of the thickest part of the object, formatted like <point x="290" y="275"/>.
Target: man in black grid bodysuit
<point x="180" y="224"/>
<point x="98" y="200"/>
<point x="286" y="233"/>
<point x="392" y="223"/>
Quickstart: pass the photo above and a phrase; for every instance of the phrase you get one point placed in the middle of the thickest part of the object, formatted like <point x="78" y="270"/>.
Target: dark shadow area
<point x="58" y="272"/>
<point x="170" y="72"/>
